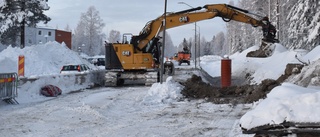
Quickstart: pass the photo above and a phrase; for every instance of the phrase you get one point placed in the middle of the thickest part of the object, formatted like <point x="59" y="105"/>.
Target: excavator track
<point x="114" y="79"/>
<point x="151" y="78"/>
<point x="111" y="79"/>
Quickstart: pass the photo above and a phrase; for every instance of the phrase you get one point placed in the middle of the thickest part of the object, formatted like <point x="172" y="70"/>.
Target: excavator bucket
<point x="270" y="40"/>
<point x="265" y="50"/>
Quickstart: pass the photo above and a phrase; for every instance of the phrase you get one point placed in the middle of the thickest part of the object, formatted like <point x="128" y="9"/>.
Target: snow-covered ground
<point x="157" y="110"/>
<point x="118" y="112"/>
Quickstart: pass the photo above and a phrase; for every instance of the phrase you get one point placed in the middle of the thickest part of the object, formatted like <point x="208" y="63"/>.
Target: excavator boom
<point x="226" y="12"/>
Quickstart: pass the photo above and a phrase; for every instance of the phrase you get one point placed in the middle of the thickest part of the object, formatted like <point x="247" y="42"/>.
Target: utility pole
<point x="22" y="35"/>
<point x="199" y="45"/>
<point x="164" y="41"/>
<point x="278" y="18"/>
<point x="195" y="45"/>
<point x="269" y="9"/>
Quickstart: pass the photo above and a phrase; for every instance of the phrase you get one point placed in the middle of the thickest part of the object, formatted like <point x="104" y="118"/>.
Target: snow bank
<point x="312" y="55"/>
<point x="309" y="75"/>
<point x="163" y="93"/>
<point x="259" y="68"/>
<point x="297" y="100"/>
<point x="40" y="60"/>
<point x="43" y="62"/>
<point x="30" y="91"/>
<point x="288" y="102"/>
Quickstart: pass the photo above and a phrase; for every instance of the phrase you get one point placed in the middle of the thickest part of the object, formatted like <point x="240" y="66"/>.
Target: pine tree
<point x="304" y="25"/>
<point x="219" y="44"/>
<point x="14" y="14"/>
<point x="169" y="49"/>
<point x="114" y="36"/>
<point x="297" y="23"/>
<point x="203" y="44"/>
<point x="89" y="32"/>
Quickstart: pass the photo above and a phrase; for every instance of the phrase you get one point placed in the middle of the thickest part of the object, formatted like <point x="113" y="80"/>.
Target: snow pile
<point x="297" y="100"/>
<point x="40" y="60"/>
<point x="43" y="62"/>
<point x="259" y="68"/>
<point x="313" y="55"/>
<point x="288" y="102"/>
<point x="163" y="93"/>
<point x="30" y="91"/>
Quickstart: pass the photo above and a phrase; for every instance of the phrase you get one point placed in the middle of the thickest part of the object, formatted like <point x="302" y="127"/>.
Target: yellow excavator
<point x="139" y="58"/>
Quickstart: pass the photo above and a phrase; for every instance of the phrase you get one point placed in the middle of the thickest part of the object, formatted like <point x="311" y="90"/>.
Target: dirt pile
<point x="195" y="88"/>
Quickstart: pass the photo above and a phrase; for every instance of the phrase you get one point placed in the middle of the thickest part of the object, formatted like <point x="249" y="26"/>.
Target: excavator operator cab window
<point x="148" y="47"/>
<point x="126" y="38"/>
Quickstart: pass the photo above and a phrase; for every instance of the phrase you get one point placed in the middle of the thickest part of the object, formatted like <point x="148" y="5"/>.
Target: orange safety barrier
<point x="3" y="80"/>
<point x="21" y="66"/>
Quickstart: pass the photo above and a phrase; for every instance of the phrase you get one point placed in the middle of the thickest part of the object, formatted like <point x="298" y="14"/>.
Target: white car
<point x="79" y="68"/>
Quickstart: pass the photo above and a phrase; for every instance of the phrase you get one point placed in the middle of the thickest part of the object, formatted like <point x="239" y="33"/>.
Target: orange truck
<point x="182" y="57"/>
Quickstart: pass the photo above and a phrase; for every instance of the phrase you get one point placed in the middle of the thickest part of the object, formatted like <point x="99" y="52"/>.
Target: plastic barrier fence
<point x="8" y="87"/>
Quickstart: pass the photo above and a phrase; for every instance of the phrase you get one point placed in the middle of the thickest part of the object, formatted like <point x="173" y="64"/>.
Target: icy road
<point x="119" y="112"/>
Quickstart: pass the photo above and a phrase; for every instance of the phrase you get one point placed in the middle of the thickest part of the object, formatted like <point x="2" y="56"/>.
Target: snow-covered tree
<point x="284" y="8"/>
<point x="67" y="28"/>
<point x="218" y="43"/>
<point x="304" y="22"/>
<point x="208" y="47"/>
<point x="114" y="36"/>
<point x="17" y="13"/>
<point x="244" y="35"/>
<point x="169" y="49"/>
<point x="233" y="35"/>
<point x="203" y="44"/>
<point x="79" y="36"/>
<point x="88" y="34"/>
<point x="297" y="23"/>
<point x="182" y="44"/>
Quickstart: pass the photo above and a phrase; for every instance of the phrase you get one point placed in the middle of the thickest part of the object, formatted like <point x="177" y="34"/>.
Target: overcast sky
<point x="130" y="16"/>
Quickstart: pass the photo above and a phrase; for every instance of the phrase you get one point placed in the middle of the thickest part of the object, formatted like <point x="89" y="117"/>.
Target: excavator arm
<point x="144" y="41"/>
<point x="140" y="59"/>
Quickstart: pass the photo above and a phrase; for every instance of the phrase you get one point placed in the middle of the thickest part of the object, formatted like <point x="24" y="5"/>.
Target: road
<point x="132" y="111"/>
<point x="118" y="112"/>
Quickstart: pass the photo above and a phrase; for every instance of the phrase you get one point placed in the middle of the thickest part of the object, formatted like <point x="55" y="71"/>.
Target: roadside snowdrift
<point x="40" y="60"/>
<point x="43" y="62"/>
<point x="285" y="103"/>
<point x="296" y="100"/>
<point x="258" y="69"/>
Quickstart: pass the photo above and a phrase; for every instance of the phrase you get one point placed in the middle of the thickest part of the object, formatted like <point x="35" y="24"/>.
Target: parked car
<point x="90" y="60"/>
<point x="99" y="62"/>
<point x="79" y="68"/>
